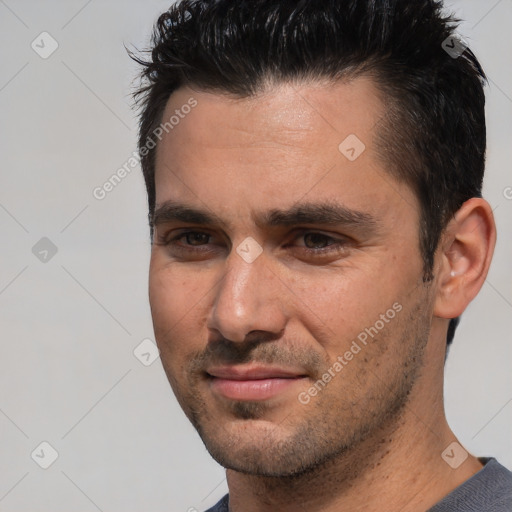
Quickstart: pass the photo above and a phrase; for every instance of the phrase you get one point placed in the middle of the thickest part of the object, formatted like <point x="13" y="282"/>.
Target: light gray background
<point x="70" y="325"/>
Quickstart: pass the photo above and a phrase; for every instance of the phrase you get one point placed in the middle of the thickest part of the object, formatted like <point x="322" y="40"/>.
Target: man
<point x="314" y="174"/>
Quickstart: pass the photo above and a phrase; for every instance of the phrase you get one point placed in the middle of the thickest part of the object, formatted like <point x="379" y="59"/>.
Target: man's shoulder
<point x="221" y="506"/>
<point x="490" y="489"/>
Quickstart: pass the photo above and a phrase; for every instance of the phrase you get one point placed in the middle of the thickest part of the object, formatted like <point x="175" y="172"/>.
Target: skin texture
<point x="375" y="432"/>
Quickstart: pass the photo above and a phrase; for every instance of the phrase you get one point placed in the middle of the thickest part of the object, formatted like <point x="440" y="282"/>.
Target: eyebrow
<point x="326" y="213"/>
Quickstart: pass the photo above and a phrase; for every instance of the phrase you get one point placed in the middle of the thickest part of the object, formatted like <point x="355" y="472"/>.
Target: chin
<point x="261" y="447"/>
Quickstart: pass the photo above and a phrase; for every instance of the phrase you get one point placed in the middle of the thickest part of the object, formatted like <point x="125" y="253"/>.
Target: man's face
<point x="250" y="329"/>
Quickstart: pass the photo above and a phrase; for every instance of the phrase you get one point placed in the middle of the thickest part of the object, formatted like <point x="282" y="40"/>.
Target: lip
<point x="252" y="383"/>
<point x="253" y="372"/>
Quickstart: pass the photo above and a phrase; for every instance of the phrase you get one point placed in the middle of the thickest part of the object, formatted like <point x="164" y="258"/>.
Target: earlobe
<point x="464" y="257"/>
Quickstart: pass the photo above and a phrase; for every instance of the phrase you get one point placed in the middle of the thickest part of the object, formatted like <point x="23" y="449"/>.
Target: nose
<point x="248" y="298"/>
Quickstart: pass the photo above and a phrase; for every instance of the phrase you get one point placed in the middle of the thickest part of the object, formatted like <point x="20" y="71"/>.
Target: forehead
<point x="291" y="142"/>
<point x="281" y="113"/>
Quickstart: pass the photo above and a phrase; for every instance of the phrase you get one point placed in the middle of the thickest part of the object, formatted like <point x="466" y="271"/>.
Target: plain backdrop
<point x="73" y="273"/>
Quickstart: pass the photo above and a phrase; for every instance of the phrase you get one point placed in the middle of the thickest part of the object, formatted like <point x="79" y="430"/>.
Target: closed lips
<point x="252" y="384"/>
<point x="238" y="373"/>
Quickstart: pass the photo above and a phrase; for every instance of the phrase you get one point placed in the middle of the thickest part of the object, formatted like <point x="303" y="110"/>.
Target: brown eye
<point x="195" y="237"/>
<point x="188" y="243"/>
<point x="313" y="240"/>
<point x="320" y="244"/>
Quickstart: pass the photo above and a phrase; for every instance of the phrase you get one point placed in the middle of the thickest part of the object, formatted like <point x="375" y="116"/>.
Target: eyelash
<point x="336" y="246"/>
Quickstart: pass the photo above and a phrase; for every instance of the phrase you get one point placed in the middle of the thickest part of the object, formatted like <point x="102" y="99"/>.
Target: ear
<point x="465" y="253"/>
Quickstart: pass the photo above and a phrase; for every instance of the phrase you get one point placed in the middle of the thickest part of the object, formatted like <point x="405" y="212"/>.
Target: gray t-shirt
<point x="489" y="490"/>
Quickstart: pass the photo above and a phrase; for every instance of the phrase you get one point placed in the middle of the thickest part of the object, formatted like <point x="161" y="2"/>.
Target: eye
<point x="316" y="239"/>
<point x="190" y="240"/>
<point x="320" y="243"/>
<point x="194" y="238"/>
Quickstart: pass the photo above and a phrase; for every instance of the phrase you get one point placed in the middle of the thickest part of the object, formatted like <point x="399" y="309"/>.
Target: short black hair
<point x="433" y="136"/>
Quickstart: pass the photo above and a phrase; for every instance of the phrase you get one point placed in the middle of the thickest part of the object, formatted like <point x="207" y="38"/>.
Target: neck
<point x="398" y="467"/>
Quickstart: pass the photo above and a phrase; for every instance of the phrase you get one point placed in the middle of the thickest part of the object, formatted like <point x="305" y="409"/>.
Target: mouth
<point x="252" y="383"/>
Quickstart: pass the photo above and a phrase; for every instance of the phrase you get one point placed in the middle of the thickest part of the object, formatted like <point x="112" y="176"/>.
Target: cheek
<point x="175" y="298"/>
<point x="337" y="306"/>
